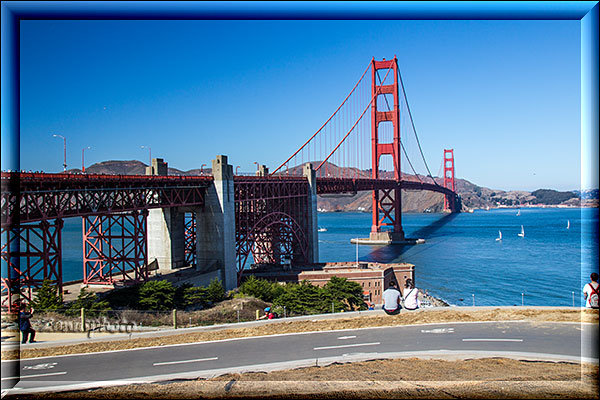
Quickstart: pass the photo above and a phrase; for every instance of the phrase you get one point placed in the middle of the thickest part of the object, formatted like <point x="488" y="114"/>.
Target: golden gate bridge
<point x="218" y="222"/>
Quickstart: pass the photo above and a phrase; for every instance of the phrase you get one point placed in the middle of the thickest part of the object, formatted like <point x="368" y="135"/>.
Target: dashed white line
<point x="33" y="376"/>
<point x="492" y="340"/>
<point x="185" y="361"/>
<point x="346" y="337"/>
<point x="346" y="345"/>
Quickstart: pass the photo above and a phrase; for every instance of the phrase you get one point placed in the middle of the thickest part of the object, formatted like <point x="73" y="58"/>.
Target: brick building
<point x="373" y="277"/>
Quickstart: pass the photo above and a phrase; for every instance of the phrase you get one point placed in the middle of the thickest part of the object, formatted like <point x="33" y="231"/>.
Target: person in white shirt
<point x="391" y="299"/>
<point x="410" y="295"/>
<point x="590" y="291"/>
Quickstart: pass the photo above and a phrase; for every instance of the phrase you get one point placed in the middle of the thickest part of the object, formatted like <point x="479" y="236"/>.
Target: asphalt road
<point x="523" y="340"/>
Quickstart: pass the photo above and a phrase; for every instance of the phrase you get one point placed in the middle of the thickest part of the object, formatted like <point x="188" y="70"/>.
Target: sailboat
<point x="518" y="212"/>
<point x="322" y="229"/>
<point x="522" y="234"/>
<point x="568" y="224"/>
<point x="499" y="238"/>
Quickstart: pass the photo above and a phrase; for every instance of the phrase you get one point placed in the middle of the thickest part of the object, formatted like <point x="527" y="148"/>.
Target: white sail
<point x="522" y="234"/>
<point x="568" y="224"/>
<point x="499" y="238"/>
<point x="518" y="212"/>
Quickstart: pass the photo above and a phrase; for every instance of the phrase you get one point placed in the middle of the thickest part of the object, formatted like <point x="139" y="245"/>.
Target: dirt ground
<point x="490" y="378"/>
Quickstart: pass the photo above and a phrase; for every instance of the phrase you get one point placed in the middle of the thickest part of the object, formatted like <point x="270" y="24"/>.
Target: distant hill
<point x="131" y="167"/>
<point x="473" y="196"/>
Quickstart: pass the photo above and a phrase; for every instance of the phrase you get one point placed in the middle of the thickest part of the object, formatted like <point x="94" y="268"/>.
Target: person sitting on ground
<point x="25" y="324"/>
<point x="391" y="299"/>
<point x="268" y="314"/>
<point x="590" y="291"/>
<point x="410" y="295"/>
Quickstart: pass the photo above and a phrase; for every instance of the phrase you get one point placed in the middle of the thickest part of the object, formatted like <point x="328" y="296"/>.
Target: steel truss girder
<point x="190" y="238"/>
<point x="38" y="197"/>
<point x="115" y="248"/>
<point x="271" y="219"/>
<point x="31" y="253"/>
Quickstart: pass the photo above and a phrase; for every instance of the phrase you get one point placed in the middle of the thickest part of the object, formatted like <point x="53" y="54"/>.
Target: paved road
<point x="522" y="340"/>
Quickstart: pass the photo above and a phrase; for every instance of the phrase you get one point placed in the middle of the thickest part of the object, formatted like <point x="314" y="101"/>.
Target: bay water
<point x="461" y="261"/>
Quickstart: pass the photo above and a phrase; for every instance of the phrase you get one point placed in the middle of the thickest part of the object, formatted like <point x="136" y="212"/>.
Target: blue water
<point x="461" y="261"/>
<point x="460" y="257"/>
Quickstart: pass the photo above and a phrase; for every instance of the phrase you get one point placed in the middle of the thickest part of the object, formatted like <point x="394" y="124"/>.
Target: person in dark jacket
<point x="25" y="324"/>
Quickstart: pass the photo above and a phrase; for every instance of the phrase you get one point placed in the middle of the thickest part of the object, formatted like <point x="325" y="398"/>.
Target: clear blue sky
<point x="504" y="94"/>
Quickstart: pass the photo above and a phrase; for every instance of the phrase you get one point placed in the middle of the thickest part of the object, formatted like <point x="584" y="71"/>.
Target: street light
<point x="82" y="163"/>
<point x="149" y="153"/>
<point x="236" y="168"/>
<point x="64" y="150"/>
<point x="201" y="167"/>
<point x="256" y="162"/>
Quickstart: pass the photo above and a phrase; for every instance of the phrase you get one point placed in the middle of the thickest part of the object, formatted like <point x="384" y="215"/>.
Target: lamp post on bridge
<point x="149" y="154"/>
<point x="236" y="169"/>
<point x="64" y="150"/>
<point x="256" y="162"/>
<point x="82" y="162"/>
<point x="201" y="169"/>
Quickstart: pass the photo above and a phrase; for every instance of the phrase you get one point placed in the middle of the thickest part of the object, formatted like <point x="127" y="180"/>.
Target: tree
<point x="303" y="298"/>
<point x="47" y="297"/>
<point x="344" y="294"/>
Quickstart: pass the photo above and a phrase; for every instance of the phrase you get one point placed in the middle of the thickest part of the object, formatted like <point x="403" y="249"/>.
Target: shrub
<point x="216" y="291"/>
<point x="89" y="301"/>
<point x="127" y="297"/>
<point x="157" y="296"/>
<point x="261" y="288"/>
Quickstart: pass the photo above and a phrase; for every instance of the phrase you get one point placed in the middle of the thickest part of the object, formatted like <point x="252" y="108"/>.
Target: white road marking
<point x="492" y="340"/>
<point x="439" y="330"/>
<point x="346" y="345"/>
<point x="346" y="337"/>
<point x="40" y="366"/>
<point x="185" y="361"/>
<point x="34" y="376"/>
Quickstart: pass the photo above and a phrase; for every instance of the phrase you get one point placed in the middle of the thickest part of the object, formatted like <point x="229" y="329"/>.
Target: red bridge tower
<point x="390" y="201"/>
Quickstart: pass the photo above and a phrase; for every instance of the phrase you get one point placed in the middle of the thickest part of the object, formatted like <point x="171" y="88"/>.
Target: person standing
<point x="590" y="291"/>
<point x="25" y="324"/>
<point x="410" y="295"/>
<point x="391" y="299"/>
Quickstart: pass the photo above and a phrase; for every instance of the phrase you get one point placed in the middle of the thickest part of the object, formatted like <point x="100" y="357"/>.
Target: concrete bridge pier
<point x="166" y="230"/>
<point x="313" y="223"/>
<point x="215" y="226"/>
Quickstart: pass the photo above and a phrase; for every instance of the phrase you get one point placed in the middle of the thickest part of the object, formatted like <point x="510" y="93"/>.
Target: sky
<point x="505" y="95"/>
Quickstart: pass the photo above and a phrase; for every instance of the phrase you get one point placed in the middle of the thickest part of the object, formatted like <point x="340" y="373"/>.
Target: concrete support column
<point x="166" y="230"/>
<point x="313" y="224"/>
<point x="215" y="226"/>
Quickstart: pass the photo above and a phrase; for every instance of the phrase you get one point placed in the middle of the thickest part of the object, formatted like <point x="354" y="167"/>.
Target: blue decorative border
<point x="12" y="12"/>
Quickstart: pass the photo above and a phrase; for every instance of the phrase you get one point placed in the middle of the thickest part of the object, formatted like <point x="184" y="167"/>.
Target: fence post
<point x="82" y="319"/>
<point x="332" y="309"/>
<point x="174" y="318"/>
<point x="283" y="311"/>
<point x="257" y="314"/>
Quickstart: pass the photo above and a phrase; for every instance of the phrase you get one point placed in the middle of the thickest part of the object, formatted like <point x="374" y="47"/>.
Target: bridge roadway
<point x="43" y="196"/>
<point x="551" y="341"/>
